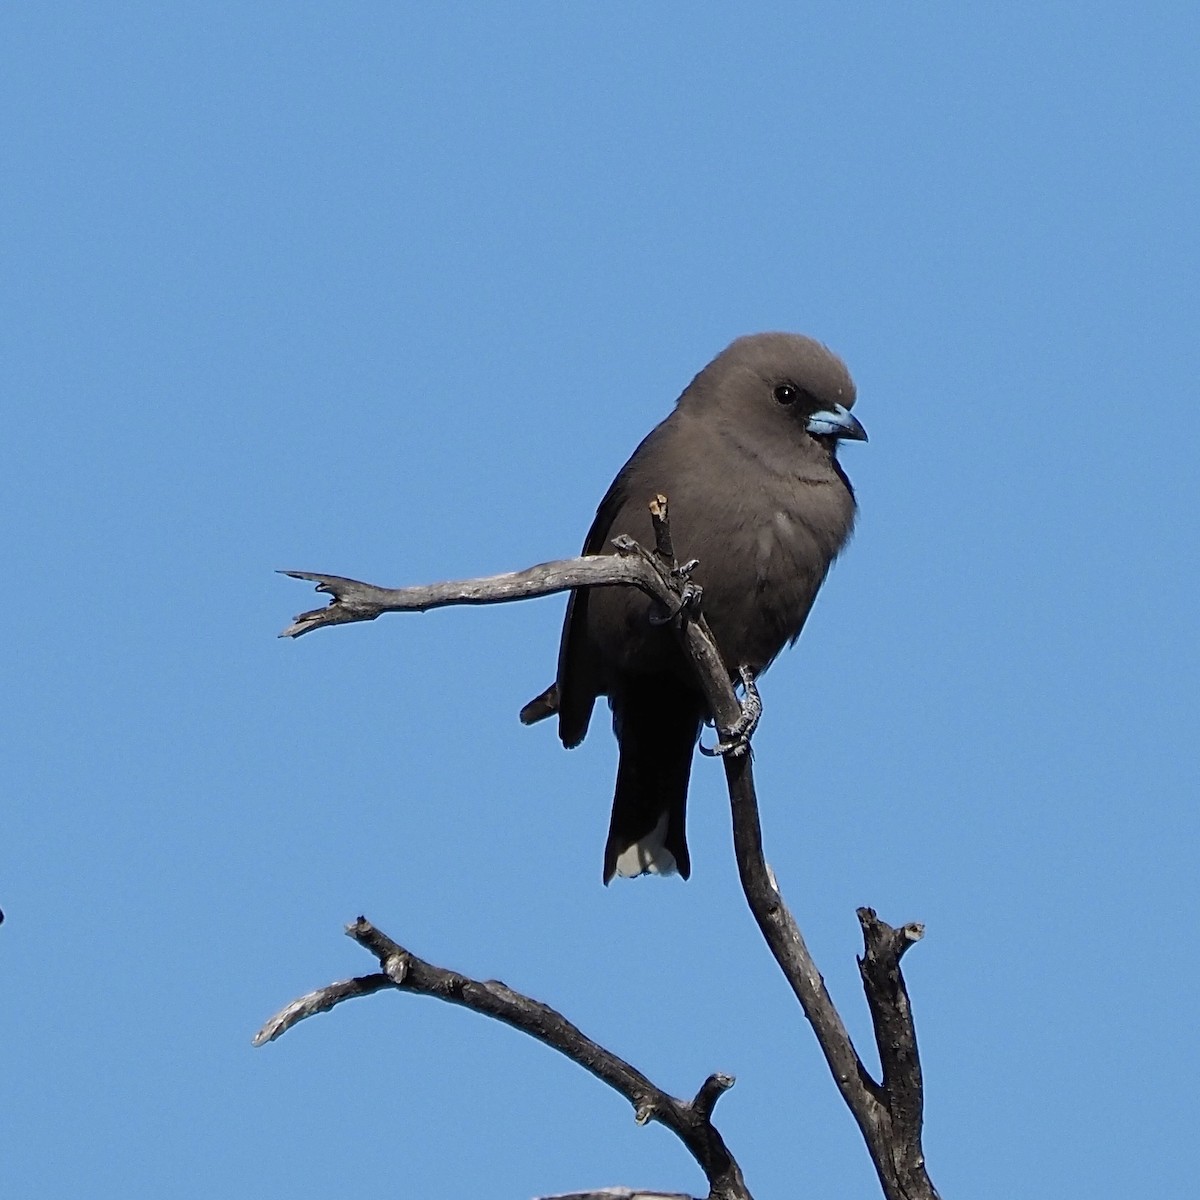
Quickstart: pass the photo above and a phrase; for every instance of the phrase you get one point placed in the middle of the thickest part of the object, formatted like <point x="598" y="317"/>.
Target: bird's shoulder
<point x="658" y="465"/>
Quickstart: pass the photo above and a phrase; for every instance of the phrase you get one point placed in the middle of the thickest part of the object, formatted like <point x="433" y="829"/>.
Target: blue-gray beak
<point x="836" y="422"/>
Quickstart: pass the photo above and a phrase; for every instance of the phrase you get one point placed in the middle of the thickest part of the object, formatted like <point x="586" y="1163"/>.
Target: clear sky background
<point x="392" y="291"/>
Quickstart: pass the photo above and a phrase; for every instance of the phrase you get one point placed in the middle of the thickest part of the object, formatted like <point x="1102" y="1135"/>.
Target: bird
<point x="748" y="462"/>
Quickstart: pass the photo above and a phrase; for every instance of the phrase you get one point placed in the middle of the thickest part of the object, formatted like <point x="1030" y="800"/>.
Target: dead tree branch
<point x="889" y="1112"/>
<point x="400" y="969"/>
<point x="354" y="600"/>
<point x="618" y="1193"/>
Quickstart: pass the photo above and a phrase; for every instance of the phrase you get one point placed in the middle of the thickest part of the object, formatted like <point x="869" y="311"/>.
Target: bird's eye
<point x="785" y="393"/>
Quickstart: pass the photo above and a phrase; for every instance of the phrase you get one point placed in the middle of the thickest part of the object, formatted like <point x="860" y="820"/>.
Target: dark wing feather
<point x="578" y="672"/>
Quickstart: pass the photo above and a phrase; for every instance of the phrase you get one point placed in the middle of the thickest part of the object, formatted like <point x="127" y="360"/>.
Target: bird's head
<point x="781" y="381"/>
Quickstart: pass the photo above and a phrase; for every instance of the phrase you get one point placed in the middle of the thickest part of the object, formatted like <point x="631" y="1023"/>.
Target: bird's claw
<point x="689" y="599"/>
<point x="735" y="741"/>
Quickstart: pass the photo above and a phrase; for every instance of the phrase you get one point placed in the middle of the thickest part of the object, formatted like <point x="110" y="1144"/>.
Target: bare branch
<point x="353" y="600"/>
<point x="889" y="1114"/>
<point x="690" y="1121"/>
<point x="620" y="1193"/>
<point x="711" y="1090"/>
<point x="664" y="547"/>
<point x="896" y="1038"/>
<point x="322" y="1000"/>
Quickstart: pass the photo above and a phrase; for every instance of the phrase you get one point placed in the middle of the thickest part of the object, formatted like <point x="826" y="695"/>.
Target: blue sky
<point x="392" y="291"/>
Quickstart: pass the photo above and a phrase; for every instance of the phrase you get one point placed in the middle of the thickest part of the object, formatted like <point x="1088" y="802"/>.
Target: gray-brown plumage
<point x="748" y="462"/>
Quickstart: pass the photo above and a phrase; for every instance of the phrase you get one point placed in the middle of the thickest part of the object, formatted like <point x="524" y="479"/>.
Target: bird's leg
<point x="736" y="739"/>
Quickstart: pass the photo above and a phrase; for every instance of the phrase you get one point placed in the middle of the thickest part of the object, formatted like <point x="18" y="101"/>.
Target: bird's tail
<point x="657" y="721"/>
<point x="541" y="707"/>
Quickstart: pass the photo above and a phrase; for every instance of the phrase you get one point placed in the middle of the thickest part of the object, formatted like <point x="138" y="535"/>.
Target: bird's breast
<point x="793" y="539"/>
<point x="776" y="538"/>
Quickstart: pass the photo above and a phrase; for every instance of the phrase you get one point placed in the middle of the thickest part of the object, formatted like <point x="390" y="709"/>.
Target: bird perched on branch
<point x="748" y="462"/>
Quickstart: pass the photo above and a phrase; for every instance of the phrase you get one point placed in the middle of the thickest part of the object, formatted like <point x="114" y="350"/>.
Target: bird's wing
<point x="578" y="672"/>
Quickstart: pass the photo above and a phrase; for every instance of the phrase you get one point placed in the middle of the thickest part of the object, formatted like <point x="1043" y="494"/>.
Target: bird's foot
<point x="735" y="740"/>
<point x="677" y="576"/>
<point x="690" y="595"/>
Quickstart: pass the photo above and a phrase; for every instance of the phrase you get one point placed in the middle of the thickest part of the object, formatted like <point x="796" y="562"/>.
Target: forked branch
<point x="400" y="969"/>
<point x="889" y="1112"/>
